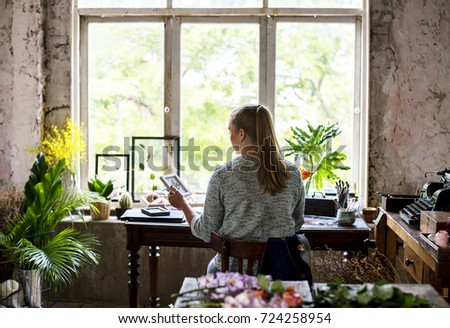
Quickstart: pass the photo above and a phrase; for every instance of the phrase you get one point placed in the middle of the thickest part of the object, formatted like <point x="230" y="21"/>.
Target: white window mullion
<point x="267" y="62"/>
<point x="364" y="87"/>
<point x="356" y="142"/>
<point x="172" y="111"/>
<point x="84" y="94"/>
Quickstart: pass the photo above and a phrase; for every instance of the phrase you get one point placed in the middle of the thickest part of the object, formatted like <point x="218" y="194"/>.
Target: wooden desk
<point x="391" y="231"/>
<point x="155" y="235"/>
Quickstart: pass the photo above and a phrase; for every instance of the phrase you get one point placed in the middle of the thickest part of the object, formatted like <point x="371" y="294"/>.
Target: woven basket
<point x="103" y="211"/>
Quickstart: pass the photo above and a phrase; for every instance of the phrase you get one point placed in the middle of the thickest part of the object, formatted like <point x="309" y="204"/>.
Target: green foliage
<point x="311" y="146"/>
<point x="30" y="241"/>
<point x="39" y="168"/>
<point x="100" y="187"/>
<point x="380" y="295"/>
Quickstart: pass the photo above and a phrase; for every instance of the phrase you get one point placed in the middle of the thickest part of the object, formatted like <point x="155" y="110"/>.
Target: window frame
<point x="172" y="18"/>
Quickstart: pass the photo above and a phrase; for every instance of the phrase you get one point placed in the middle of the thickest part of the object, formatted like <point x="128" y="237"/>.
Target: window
<point x="177" y="71"/>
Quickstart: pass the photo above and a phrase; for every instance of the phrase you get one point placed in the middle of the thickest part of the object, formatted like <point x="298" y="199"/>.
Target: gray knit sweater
<point x="236" y="205"/>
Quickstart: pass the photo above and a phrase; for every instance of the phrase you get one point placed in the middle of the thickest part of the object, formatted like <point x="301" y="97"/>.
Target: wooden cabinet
<point x="391" y="231"/>
<point x="413" y="264"/>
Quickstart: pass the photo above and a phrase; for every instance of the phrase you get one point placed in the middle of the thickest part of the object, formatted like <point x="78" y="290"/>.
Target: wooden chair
<point x="252" y="251"/>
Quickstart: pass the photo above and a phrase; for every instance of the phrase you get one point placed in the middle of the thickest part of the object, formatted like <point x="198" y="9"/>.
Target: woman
<point x="255" y="196"/>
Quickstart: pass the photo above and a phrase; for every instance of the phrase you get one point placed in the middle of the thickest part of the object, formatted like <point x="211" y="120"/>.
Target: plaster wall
<point x="21" y="87"/>
<point x="409" y="94"/>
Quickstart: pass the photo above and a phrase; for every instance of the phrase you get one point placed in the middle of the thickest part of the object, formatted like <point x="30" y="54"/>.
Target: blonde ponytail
<point x="257" y="122"/>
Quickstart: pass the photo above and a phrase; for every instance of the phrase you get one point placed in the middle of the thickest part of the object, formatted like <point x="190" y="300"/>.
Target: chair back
<point x="227" y="247"/>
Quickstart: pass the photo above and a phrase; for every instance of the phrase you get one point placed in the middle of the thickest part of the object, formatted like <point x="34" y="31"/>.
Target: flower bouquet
<point x="235" y="290"/>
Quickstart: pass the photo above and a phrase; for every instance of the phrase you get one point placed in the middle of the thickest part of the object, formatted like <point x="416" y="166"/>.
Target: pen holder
<point x="345" y="218"/>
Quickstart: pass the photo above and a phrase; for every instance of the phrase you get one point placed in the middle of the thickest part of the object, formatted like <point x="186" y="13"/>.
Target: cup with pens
<point x="346" y="207"/>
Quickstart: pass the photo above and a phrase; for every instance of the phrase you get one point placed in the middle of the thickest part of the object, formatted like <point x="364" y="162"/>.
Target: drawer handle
<point x="409" y="262"/>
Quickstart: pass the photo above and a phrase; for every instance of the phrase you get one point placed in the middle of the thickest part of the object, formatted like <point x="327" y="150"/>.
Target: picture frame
<point x="174" y="180"/>
<point x="152" y="157"/>
<point x="115" y="167"/>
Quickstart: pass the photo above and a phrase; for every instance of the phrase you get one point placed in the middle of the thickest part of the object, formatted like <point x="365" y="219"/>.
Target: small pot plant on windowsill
<point x="125" y="201"/>
<point x="100" y="210"/>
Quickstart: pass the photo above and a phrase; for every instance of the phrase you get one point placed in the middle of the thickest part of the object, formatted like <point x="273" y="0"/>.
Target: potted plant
<point x="101" y="209"/>
<point x="125" y="201"/>
<point x="30" y="241"/>
<point x="318" y="161"/>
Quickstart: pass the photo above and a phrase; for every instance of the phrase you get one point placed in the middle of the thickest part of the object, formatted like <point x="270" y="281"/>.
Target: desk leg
<point x="133" y="283"/>
<point x="153" y="262"/>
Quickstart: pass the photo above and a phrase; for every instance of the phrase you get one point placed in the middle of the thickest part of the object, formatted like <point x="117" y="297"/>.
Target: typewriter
<point x="434" y="196"/>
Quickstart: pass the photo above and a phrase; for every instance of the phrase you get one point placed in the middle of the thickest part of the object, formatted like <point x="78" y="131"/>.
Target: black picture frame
<point x="119" y="172"/>
<point x="152" y="156"/>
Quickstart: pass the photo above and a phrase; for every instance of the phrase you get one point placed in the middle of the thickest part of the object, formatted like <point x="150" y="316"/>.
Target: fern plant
<point x="311" y="145"/>
<point x="30" y="240"/>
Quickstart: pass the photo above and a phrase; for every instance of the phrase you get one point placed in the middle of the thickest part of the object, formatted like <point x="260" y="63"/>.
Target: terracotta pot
<point x="103" y="211"/>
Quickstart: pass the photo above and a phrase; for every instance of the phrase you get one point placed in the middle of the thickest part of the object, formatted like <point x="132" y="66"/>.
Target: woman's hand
<point x="176" y="199"/>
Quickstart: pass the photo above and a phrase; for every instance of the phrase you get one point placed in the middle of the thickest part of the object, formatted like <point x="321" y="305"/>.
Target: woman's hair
<point x="257" y="122"/>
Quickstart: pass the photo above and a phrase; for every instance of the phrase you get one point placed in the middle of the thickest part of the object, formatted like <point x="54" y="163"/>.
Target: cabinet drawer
<point x="413" y="264"/>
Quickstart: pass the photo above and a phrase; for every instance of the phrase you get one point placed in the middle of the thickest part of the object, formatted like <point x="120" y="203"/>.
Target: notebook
<point x="136" y="214"/>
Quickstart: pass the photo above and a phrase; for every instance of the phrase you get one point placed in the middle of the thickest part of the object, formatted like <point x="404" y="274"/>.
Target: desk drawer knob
<point x="409" y="262"/>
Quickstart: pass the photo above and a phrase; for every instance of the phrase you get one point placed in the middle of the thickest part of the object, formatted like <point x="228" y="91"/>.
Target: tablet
<point x="174" y="180"/>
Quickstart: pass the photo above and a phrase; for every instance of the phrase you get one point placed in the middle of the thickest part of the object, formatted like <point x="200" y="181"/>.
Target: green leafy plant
<point x="100" y="187"/>
<point x="30" y="240"/>
<point x="311" y="145"/>
<point x="380" y="295"/>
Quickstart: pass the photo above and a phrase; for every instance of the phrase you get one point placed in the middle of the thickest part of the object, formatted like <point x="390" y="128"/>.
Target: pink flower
<point x="292" y="298"/>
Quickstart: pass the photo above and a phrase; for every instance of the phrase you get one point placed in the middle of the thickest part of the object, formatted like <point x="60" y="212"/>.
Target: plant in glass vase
<point x="318" y="161"/>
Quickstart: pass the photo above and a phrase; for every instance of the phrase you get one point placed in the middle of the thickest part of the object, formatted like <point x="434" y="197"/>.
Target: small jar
<point x="369" y="214"/>
<point x="345" y="218"/>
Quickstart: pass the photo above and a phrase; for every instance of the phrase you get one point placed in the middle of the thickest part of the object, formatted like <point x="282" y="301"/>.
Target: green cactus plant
<point x="125" y="200"/>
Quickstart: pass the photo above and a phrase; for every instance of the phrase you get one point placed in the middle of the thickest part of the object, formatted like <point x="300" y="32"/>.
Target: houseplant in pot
<point x="100" y="209"/>
<point x="318" y="161"/>
<point x="125" y="201"/>
<point x="30" y="241"/>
